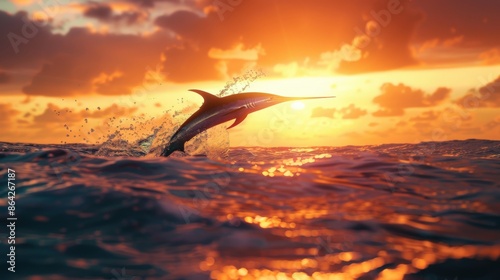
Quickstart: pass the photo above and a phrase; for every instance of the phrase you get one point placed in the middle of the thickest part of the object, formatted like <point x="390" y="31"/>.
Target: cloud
<point x="490" y="57"/>
<point x="152" y="3"/>
<point x="463" y="35"/>
<point x="280" y="32"/>
<point x="486" y="96"/>
<point x="385" y="39"/>
<point x="351" y="112"/>
<point x="426" y="116"/>
<point x="474" y="21"/>
<point x="101" y="12"/>
<point x="202" y="42"/>
<point x="319" y="112"/>
<point x="4" y="77"/>
<point x="25" y="45"/>
<point x="396" y="98"/>
<point x="105" y="13"/>
<point x="8" y="114"/>
<point x="492" y="125"/>
<point x="80" y="62"/>
<point x="389" y="113"/>
<point x="442" y="124"/>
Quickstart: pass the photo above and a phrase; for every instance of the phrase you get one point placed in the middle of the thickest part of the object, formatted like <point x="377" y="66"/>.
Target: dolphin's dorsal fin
<point x="237" y="121"/>
<point x="207" y="97"/>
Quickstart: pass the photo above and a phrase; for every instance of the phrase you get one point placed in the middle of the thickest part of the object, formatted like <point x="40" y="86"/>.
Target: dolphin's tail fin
<point x="170" y="148"/>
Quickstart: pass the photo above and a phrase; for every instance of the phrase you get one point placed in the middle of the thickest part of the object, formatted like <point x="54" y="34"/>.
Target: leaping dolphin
<point x="216" y="110"/>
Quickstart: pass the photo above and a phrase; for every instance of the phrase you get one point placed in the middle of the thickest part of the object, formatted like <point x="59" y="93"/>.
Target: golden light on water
<point x="334" y="254"/>
<point x="313" y="268"/>
<point x="291" y="167"/>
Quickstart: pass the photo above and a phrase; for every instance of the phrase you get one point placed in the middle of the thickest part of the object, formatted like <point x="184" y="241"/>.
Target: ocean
<point x="427" y="211"/>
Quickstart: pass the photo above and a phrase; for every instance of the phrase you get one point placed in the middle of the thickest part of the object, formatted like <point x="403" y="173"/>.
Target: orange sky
<point x="401" y="71"/>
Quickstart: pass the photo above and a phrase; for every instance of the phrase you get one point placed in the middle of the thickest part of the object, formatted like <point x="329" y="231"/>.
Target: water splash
<point x="147" y="138"/>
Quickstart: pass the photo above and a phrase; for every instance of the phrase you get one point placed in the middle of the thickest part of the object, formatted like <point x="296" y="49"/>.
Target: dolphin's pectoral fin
<point x="238" y="121"/>
<point x="207" y="97"/>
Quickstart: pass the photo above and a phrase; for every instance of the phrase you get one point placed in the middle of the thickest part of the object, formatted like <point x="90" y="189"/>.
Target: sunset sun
<point x="298" y="105"/>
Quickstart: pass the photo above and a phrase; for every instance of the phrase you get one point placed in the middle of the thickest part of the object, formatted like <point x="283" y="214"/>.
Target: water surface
<point x="398" y="211"/>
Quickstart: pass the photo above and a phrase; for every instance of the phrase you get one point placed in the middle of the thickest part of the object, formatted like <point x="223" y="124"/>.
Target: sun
<point x="298" y="105"/>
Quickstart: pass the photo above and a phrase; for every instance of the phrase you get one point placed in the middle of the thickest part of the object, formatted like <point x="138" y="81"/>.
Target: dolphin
<point x="216" y="110"/>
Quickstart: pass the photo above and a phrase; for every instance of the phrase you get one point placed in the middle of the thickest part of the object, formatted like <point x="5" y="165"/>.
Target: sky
<point x="401" y="71"/>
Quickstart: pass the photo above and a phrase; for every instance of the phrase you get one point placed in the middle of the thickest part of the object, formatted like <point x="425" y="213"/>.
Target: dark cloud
<point x="396" y="98"/>
<point x="131" y="18"/>
<point x="79" y="62"/>
<point x="477" y="21"/>
<point x="105" y="13"/>
<point x="281" y="30"/>
<point x="4" y="77"/>
<point x="25" y="44"/>
<point x="458" y="32"/>
<point x="101" y="12"/>
<point x="194" y="67"/>
<point x="437" y="97"/>
<point x="486" y="96"/>
<point x="143" y="3"/>
<point x="385" y="40"/>
<point x="152" y="3"/>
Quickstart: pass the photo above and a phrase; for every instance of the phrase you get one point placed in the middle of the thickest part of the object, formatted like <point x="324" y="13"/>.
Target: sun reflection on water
<point x="347" y="265"/>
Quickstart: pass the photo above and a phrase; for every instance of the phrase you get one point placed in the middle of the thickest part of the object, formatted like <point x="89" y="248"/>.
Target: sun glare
<point x="298" y="105"/>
